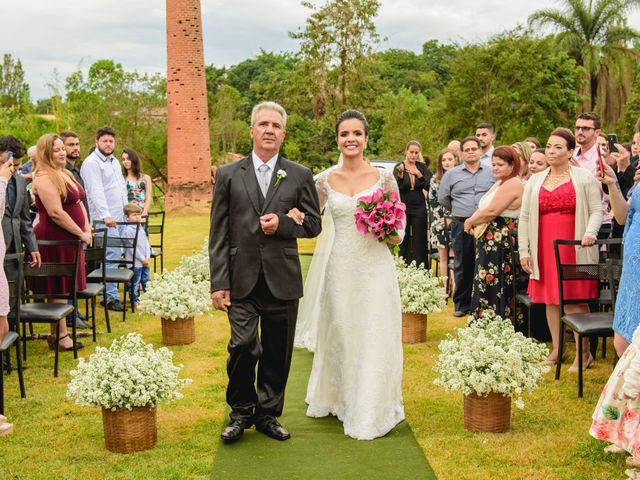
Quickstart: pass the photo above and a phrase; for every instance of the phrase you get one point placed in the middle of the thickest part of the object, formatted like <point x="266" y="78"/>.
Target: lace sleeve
<point x="321" y="187"/>
<point x="389" y="184"/>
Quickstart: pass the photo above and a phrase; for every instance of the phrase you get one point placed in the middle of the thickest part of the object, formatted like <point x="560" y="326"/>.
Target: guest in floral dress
<point x="616" y="418"/>
<point x="447" y="159"/>
<point x="492" y="223"/>
<point x="139" y="186"/>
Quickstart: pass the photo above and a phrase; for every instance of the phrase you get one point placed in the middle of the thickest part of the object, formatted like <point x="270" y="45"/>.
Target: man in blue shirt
<point x="460" y="191"/>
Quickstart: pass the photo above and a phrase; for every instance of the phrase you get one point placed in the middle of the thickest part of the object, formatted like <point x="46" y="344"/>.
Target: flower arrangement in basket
<point x="176" y="298"/>
<point x="197" y="265"/>
<point x="128" y="380"/>
<point x="490" y="360"/>
<point x="381" y="215"/>
<point x="420" y="293"/>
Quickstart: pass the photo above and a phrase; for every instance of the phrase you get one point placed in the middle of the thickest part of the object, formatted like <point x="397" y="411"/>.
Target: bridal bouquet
<point x="380" y="214"/>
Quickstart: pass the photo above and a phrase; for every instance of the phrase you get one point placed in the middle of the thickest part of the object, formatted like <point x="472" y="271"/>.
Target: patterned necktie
<point x="263" y="179"/>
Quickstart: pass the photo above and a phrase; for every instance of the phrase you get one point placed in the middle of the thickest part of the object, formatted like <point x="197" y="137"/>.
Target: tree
<point x="14" y="91"/>
<point x="228" y="131"/>
<point x="132" y="103"/>
<point x="517" y="82"/>
<point x="335" y="43"/>
<point x="596" y="35"/>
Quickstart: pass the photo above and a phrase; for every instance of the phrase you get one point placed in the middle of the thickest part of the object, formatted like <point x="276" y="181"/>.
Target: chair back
<point x="124" y="238"/>
<point x="155" y="229"/>
<point x="572" y="272"/>
<point x="13" y="266"/>
<point x="614" y="266"/>
<point x="94" y="256"/>
<point x="57" y="270"/>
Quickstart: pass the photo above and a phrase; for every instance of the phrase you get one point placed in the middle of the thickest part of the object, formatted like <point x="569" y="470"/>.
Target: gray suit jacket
<point x="238" y="250"/>
<point x="16" y="224"/>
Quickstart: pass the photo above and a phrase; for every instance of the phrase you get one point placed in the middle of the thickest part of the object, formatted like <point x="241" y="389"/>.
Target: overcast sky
<point x="55" y="35"/>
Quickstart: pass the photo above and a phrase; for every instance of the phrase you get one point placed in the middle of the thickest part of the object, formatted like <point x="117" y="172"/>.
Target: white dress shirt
<point x="257" y="163"/>
<point x="105" y="186"/>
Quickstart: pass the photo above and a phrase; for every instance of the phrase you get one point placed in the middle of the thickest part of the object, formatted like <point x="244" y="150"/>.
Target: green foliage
<point x="626" y="124"/>
<point x="14" y="91"/>
<point x="133" y="104"/>
<point x="521" y="84"/>
<point x="597" y="35"/>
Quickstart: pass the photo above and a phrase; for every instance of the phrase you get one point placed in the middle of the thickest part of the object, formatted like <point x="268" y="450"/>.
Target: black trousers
<point x="414" y="245"/>
<point x="464" y="263"/>
<point x="270" y="349"/>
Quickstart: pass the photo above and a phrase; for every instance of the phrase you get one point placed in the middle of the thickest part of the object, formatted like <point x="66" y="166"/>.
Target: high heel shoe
<point x="51" y="340"/>
<point x="546" y="361"/>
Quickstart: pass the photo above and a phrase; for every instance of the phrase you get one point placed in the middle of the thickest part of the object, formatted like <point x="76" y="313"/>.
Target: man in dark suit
<point x="16" y="222"/>
<point x="261" y="205"/>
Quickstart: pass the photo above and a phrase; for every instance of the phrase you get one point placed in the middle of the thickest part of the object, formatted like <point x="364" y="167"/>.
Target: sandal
<point x="51" y="340"/>
<point x="633" y="462"/>
<point x="632" y="474"/>
<point x="613" y="448"/>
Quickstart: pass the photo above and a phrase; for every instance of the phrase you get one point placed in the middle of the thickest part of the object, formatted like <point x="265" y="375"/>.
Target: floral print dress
<point x="494" y="272"/>
<point x="616" y="419"/>
<point x="438" y="237"/>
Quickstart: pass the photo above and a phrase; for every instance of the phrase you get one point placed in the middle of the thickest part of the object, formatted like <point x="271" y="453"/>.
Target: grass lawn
<point x="54" y="438"/>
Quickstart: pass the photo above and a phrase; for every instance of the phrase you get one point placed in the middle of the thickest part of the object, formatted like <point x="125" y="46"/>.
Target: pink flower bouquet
<point x="380" y="214"/>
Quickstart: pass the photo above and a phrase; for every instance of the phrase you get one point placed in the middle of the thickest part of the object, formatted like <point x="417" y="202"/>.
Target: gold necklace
<point x="556" y="179"/>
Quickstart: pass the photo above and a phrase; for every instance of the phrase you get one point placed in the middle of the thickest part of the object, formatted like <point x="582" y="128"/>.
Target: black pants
<point x="464" y="264"/>
<point x="414" y="245"/>
<point x="270" y="350"/>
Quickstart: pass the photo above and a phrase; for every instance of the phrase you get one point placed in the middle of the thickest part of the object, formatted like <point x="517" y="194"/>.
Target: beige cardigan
<point x="588" y="216"/>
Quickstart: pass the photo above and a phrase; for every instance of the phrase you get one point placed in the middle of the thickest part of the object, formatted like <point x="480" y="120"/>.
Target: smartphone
<point x="613" y="139"/>
<point x="599" y="163"/>
<point x="9" y="156"/>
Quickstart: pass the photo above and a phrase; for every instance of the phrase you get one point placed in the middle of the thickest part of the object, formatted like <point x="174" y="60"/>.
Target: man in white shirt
<point x="586" y="155"/>
<point x="487" y="135"/>
<point x="106" y="195"/>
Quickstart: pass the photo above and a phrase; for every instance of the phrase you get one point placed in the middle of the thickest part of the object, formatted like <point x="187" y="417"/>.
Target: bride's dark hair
<point x="348" y="115"/>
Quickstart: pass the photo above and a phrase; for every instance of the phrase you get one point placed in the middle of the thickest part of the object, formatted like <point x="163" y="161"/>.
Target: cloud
<point x="61" y="35"/>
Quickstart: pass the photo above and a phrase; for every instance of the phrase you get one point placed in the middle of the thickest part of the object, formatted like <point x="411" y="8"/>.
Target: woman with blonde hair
<point x="524" y="150"/>
<point x="61" y="217"/>
<point x="447" y="159"/>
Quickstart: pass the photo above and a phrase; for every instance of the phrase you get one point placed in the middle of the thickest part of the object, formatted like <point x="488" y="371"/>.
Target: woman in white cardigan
<point x="559" y="203"/>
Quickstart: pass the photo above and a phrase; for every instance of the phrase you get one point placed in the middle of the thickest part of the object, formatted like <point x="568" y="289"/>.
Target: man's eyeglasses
<point x="470" y="150"/>
<point x="584" y="129"/>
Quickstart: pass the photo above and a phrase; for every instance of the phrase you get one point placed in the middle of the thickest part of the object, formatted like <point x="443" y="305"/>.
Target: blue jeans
<point x="113" y="253"/>
<point x="141" y="276"/>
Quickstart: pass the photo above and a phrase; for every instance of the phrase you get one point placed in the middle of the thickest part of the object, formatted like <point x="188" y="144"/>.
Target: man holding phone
<point x="588" y="155"/>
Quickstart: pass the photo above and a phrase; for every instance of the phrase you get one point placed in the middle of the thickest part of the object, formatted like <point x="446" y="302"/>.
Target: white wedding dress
<point x="357" y="330"/>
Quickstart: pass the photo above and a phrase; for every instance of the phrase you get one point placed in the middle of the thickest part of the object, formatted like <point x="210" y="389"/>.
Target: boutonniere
<point x="280" y="175"/>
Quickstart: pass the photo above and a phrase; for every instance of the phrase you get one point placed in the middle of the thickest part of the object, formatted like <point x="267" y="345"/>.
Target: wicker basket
<point x="490" y="414"/>
<point x="180" y="331"/>
<point x="127" y="431"/>
<point x="414" y="328"/>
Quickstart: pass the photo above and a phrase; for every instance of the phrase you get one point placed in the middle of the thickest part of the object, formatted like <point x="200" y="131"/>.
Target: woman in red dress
<point x="61" y="217"/>
<point x="560" y="203"/>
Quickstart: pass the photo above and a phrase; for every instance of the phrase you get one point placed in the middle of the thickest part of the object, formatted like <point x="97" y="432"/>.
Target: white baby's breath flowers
<point x="489" y="356"/>
<point x="419" y="291"/>
<point x="176" y="294"/>
<point x="128" y="374"/>
<point x="197" y="265"/>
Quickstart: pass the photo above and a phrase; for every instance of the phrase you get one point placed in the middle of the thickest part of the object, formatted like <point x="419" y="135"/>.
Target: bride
<point x="353" y="291"/>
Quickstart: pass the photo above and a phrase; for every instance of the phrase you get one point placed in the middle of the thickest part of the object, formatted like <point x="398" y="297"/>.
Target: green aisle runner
<point x="318" y="448"/>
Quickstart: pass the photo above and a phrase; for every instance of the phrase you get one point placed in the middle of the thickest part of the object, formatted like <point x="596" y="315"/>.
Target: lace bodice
<point x="342" y="207"/>
<point x="560" y="201"/>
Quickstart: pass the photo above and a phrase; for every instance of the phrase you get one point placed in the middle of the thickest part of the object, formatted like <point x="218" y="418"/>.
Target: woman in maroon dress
<point x="61" y="217"/>
<point x="560" y="203"/>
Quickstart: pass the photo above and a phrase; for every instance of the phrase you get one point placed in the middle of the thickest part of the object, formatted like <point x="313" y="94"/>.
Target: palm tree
<point x="596" y="34"/>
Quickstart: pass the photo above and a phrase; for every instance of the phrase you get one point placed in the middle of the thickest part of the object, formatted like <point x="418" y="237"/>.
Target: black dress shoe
<point x="115" y="305"/>
<point x="235" y="429"/>
<point x="81" y="324"/>
<point x="271" y="428"/>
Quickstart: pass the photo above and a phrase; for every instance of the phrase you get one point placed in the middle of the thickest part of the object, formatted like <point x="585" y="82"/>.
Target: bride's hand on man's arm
<point x="296" y="215"/>
<point x="395" y="240"/>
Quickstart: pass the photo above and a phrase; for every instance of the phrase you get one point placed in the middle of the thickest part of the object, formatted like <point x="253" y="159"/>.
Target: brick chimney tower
<point x="189" y="155"/>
